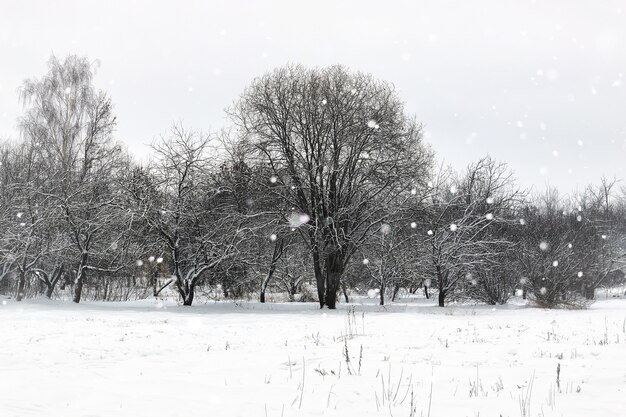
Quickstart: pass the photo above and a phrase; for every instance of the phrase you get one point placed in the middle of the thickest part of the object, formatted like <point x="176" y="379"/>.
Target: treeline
<point x="322" y="181"/>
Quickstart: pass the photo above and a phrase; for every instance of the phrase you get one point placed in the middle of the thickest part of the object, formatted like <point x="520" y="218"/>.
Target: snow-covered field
<point x="246" y="359"/>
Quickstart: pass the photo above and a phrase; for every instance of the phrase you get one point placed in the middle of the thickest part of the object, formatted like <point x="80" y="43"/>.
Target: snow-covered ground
<point x="151" y="358"/>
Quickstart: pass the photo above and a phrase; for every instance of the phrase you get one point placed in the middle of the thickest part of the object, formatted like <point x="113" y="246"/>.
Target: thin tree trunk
<point x="396" y="289"/>
<point x="80" y="277"/>
<point x="155" y="283"/>
<point x="51" y="283"/>
<point x="278" y="252"/>
<point x="319" y="276"/>
<point x="21" y="284"/>
<point x="590" y="292"/>
<point x="382" y="294"/>
<point x="440" y="286"/>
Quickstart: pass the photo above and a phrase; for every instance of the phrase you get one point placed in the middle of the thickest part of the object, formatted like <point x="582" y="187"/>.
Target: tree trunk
<point x="396" y="289"/>
<point x="78" y="288"/>
<point x="155" y="283"/>
<point x="319" y="276"/>
<point x="80" y="277"/>
<point x="440" y="286"/>
<point x="188" y="300"/>
<point x="21" y="284"/>
<point x="276" y="255"/>
<point x="426" y="292"/>
<point x="382" y="294"/>
<point x="590" y="292"/>
<point x="334" y="270"/>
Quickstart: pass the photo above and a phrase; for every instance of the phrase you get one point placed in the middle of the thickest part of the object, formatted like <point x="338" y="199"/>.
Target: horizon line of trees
<point x="323" y="182"/>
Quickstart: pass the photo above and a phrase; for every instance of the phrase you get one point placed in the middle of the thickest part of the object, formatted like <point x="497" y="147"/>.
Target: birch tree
<point x="72" y="124"/>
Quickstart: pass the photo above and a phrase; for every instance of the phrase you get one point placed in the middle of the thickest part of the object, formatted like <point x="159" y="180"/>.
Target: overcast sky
<point x="538" y="84"/>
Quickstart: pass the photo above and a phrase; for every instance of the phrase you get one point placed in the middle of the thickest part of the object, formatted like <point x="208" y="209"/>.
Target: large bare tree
<point x="340" y="148"/>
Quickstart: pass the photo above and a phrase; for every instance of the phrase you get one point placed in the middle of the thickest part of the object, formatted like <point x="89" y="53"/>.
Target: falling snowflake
<point x="580" y="274"/>
<point x="453" y="227"/>
<point x="569" y="245"/>
<point x="151" y="259"/>
<point x="159" y="260"/>
<point x="324" y="102"/>
<point x="579" y="218"/>
<point x="604" y="236"/>
<point x="489" y="200"/>
<point x="371" y="124"/>
<point x="555" y="263"/>
<point x="427" y="282"/>
<point x="489" y="216"/>
<point x="19" y="215"/>
<point x="139" y="262"/>
<point x="385" y="229"/>
<point x="413" y="191"/>
<point x="543" y="245"/>
<point x="373" y="293"/>
<point x="522" y="222"/>
<point x="366" y="261"/>
<point x="68" y="90"/>
<point x="519" y="293"/>
<point x="413" y="225"/>
<point x="273" y="179"/>
<point x="429" y="233"/>
<point x="453" y="189"/>
<point x="22" y="224"/>
<point x="298" y="219"/>
<point x="273" y="237"/>
<point x="543" y="290"/>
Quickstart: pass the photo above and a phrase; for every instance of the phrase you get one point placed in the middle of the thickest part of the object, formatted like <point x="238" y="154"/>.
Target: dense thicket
<point x="324" y="186"/>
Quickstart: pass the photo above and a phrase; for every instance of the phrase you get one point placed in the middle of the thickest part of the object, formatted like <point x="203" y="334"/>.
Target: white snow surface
<point x="154" y="358"/>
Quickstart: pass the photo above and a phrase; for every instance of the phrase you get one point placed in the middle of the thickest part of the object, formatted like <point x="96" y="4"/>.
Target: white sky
<point x="521" y="80"/>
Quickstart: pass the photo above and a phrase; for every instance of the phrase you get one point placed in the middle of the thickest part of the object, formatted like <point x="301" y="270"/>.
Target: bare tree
<point x="340" y="148"/>
<point x="183" y="208"/>
<point x="72" y="125"/>
<point x="466" y="218"/>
